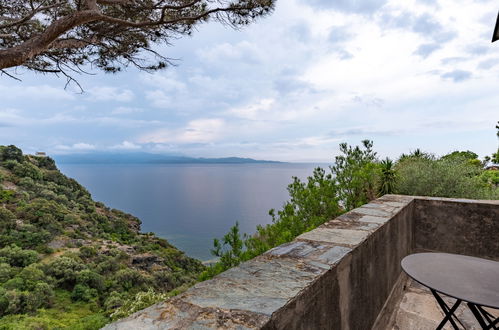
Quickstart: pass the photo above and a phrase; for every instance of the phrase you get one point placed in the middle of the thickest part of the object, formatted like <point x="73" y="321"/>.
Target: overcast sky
<point x="405" y="74"/>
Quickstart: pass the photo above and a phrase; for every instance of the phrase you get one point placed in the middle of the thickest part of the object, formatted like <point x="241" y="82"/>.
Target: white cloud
<point x="165" y="80"/>
<point x="242" y="51"/>
<point x="126" y="145"/>
<point x="196" y="131"/>
<point x="159" y="99"/>
<point x="126" y="110"/>
<point x="107" y="93"/>
<point x="39" y="92"/>
<point x="256" y="111"/>
<point x="81" y="146"/>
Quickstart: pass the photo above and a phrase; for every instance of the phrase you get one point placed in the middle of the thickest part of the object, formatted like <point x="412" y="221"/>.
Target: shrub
<point x="83" y="293"/>
<point x="42" y="295"/>
<point x="7" y="220"/>
<point x="17" y="257"/>
<point x="28" y="170"/>
<point x="90" y="279"/>
<point x="11" y="152"/>
<point x="6" y="272"/>
<point x="140" y="301"/>
<point x="129" y="278"/>
<point x="65" y="270"/>
<point x="445" y="177"/>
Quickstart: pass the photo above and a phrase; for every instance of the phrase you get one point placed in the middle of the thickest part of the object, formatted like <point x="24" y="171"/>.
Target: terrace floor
<point x="419" y="310"/>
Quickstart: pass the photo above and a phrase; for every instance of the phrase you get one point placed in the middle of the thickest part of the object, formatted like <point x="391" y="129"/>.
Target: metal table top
<point x="467" y="278"/>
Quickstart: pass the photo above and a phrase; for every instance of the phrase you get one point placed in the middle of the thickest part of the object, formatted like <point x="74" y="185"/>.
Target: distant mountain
<point x="148" y="158"/>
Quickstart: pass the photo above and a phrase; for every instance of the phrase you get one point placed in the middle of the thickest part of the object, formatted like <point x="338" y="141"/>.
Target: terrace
<point x="344" y="274"/>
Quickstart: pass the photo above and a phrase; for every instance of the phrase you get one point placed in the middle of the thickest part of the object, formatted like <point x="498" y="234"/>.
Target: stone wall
<point x="458" y="226"/>
<point x="340" y="275"/>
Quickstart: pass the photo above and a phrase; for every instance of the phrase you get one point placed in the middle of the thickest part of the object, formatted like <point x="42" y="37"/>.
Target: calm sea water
<point x="190" y="204"/>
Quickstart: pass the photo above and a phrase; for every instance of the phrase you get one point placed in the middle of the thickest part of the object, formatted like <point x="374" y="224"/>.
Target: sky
<point x="291" y="87"/>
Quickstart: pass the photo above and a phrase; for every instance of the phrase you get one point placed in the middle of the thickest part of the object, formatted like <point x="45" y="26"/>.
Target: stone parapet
<point x="340" y="275"/>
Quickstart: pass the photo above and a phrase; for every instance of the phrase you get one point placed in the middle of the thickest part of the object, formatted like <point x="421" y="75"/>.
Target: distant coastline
<point x="148" y="158"/>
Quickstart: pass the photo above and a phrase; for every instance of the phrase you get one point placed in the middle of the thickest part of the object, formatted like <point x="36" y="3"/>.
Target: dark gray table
<point x="469" y="279"/>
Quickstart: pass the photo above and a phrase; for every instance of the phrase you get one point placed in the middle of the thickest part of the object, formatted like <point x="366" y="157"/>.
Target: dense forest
<point x="67" y="261"/>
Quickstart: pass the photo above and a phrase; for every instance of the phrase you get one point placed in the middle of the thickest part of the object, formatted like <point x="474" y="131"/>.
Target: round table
<point x="469" y="279"/>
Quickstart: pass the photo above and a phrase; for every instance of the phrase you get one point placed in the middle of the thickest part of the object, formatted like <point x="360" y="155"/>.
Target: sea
<point x="191" y="204"/>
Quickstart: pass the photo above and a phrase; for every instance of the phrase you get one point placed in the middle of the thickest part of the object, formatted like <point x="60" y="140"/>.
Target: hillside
<point x="67" y="261"/>
<point x="148" y="158"/>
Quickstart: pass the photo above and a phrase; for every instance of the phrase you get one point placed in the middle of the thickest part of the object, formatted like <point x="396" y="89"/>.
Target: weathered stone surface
<point x="261" y="285"/>
<point x="336" y="236"/>
<point x="377" y="212"/>
<point x="176" y="314"/>
<point x="373" y="219"/>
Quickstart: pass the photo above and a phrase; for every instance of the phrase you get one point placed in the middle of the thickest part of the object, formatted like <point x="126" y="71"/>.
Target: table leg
<point x="482" y="315"/>
<point x="449" y="312"/>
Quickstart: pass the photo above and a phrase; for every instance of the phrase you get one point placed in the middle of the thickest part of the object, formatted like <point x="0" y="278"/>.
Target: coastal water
<point x="190" y="204"/>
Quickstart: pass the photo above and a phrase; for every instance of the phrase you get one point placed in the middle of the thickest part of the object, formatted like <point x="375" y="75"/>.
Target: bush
<point x="90" y="279"/>
<point x="7" y="220"/>
<point x="83" y="293"/>
<point x="446" y="177"/>
<point x="129" y="278"/>
<point x="17" y="257"/>
<point x="6" y="272"/>
<point x="28" y="170"/>
<point x="140" y="301"/>
<point x="42" y="295"/>
<point x="88" y="251"/>
<point x="114" y="301"/>
<point x="11" y="152"/>
<point x="65" y="270"/>
<point x="6" y="195"/>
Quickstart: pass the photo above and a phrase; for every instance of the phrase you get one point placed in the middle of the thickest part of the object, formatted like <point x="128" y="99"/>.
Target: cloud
<point x="165" y="81"/>
<point x="348" y="6"/>
<point x="159" y="98"/>
<point x="106" y="93"/>
<point x="488" y="63"/>
<point x="364" y="131"/>
<point x="242" y="52"/>
<point x="300" y="32"/>
<point x="126" y="145"/>
<point x="338" y="37"/>
<point x="453" y="60"/>
<point x="39" y="92"/>
<point x="81" y="146"/>
<point x="196" y="131"/>
<point x="255" y="111"/>
<point x="339" y="34"/>
<point x="457" y="75"/>
<point x="478" y="49"/>
<point x="425" y="25"/>
<point x="369" y="101"/>
<point x="126" y="110"/>
<point x="426" y="50"/>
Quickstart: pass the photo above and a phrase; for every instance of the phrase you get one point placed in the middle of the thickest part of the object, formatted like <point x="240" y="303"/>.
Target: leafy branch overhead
<point x="55" y="36"/>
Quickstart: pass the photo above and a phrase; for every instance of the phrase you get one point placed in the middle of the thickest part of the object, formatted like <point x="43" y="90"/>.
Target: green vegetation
<point x="69" y="262"/>
<point x="356" y="178"/>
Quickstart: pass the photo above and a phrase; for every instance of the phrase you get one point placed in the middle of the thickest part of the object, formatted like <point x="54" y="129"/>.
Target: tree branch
<point x="30" y="15"/>
<point x="18" y="55"/>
